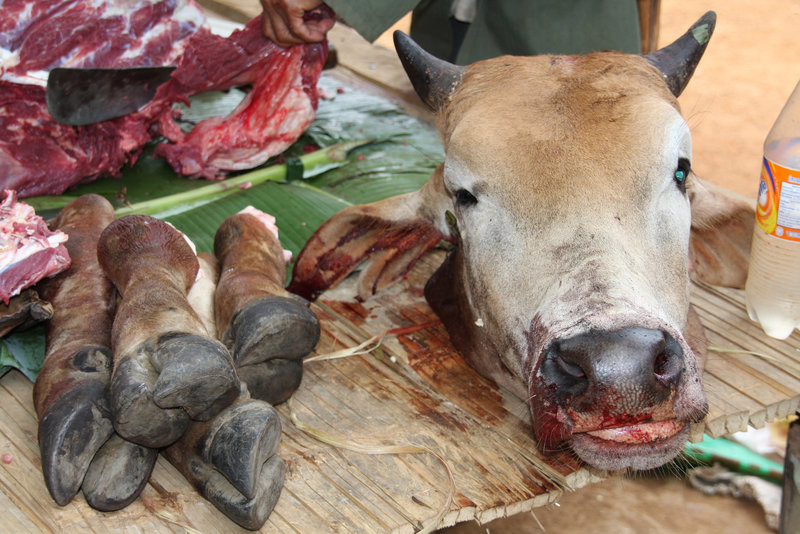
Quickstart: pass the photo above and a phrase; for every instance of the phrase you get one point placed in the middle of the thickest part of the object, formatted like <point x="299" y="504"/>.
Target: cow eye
<point x="682" y="173"/>
<point x="465" y="198"/>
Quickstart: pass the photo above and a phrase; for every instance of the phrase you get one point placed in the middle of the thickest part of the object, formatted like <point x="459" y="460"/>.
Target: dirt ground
<point x="749" y="70"/>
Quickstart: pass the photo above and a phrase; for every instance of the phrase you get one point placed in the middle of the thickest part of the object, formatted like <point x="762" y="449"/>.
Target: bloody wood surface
<point x="413" y="390"/>
<point x="426" y="395"/>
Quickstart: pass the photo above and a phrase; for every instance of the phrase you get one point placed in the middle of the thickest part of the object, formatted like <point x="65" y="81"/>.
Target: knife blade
<point x="77" y="96"/>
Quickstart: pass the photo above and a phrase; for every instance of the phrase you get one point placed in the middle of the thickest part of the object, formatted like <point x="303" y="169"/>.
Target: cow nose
<point x="631" y="368"/>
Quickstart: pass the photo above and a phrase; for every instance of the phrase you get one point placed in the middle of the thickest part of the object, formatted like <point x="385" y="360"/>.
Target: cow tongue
<point x="640" y="433"/>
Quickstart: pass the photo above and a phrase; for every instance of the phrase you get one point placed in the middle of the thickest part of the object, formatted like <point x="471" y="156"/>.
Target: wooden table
<point x="414" y="390"/>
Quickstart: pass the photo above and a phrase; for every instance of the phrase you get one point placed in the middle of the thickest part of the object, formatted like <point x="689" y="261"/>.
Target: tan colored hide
<point x="567" y="188"/>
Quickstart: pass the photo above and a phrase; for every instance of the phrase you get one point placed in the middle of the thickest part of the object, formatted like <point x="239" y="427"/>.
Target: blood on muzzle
<point x="630" y="369"/>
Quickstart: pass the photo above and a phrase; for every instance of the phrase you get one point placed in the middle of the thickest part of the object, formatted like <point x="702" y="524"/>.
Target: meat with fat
<point x="40" y="156"/>
<point x="29" y="251"/>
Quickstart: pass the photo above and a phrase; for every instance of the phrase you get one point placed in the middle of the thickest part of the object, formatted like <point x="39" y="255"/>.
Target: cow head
<point x="568" y="191"/>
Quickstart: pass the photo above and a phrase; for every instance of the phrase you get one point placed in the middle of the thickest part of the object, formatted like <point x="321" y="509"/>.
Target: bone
<point x="71" y="391"/>
<point x="201" y="294"/>
<point x="167" y="370"/>
<point x="267" y="329"/>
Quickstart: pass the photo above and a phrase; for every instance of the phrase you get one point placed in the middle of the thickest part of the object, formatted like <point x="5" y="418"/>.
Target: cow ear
<point x="392" y="234"/>
<point x="722" y="230"/>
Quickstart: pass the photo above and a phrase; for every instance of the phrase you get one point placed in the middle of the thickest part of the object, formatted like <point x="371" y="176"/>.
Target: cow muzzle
<point x="615" y="396"/>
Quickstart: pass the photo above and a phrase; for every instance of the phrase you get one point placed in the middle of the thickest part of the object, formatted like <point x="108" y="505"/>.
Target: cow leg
<point x="166" y="367"/>
<point x="231" y="460"/>
<point x="267" y="329"/>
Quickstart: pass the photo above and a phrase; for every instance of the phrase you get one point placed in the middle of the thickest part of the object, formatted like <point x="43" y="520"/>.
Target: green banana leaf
<point x="402" y="153"/>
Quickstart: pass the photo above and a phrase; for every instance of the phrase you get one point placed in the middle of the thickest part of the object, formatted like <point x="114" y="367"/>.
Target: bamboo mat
<point x="413" y="390"/>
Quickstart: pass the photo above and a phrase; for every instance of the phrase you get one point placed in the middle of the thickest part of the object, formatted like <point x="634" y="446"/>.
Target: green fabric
<point x="518" y="27"/>
<point x="370" y="18"/>
<point x="528" y="27"/>
<point x="524" y="27"/>
<point x="430" y="27"/>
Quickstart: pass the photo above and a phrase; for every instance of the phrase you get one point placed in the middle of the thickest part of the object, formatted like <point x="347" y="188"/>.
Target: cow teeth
<point x="642" y="433"/>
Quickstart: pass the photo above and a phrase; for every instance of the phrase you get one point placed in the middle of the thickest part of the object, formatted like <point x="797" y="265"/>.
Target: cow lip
<point x="639" y="447"/>
<point x="639" y="433"/>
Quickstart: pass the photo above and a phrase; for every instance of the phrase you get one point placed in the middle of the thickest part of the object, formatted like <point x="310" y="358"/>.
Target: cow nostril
<point x="668" y="363"/>
<point x="561" y="371"/>
<point x="570" y="368"/>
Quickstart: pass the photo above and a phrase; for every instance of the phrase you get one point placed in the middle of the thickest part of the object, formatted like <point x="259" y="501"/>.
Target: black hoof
<point x="273" y="381"/>
<point x="197" y="374"/>
<point x="118" y="474"/>
<point x="70" y="433"/>
<point x="137" y="417"/>
<point x="272" y="327"/>
<point x="241" y="440"/>
<point x="250" y="513"/>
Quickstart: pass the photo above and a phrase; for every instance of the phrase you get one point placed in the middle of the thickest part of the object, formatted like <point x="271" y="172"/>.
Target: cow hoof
<point x="273" y="327"/>
<point x="197" y="374"/>
<point x="118" y="474"/>
<point x="70" y="432"/>
<point x="240" y="442"/>
<point x="250" y="513"/>
<point x="137" y="417"/>
<point x="273" y="381"/>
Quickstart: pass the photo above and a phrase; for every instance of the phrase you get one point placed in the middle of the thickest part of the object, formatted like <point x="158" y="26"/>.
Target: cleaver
<point x="78" y="97"/>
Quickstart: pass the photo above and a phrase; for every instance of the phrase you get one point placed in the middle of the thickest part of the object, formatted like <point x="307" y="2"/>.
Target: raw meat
<point x="37" y="154"/>
<point x="29" y="251"/>
<point x="278" y="109"/>
<point x="40" y="156"/>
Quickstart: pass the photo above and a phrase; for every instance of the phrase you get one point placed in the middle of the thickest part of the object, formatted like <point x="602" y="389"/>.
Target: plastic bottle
<point x="772" y="291"/>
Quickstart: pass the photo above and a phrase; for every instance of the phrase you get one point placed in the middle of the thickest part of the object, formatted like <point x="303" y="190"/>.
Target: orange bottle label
<point x="778" y="209"/>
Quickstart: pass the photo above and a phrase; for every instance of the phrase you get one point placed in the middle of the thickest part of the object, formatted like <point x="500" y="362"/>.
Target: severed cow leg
<point x="166" y="369"/>
<point x="231" y="458"/>
<point x="267" y="329"/>
<point x="71" y="391"/>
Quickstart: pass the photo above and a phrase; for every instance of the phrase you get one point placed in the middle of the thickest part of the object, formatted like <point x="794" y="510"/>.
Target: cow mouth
<point x="641" y="433"/>
<point x="640" y="446"/>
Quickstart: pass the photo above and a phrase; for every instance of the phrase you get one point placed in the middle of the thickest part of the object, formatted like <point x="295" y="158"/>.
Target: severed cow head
<point x="568" y="192"/>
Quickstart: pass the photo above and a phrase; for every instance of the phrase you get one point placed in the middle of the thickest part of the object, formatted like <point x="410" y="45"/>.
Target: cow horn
<point x="678" y="60"/>
<point x="433" y="78"/>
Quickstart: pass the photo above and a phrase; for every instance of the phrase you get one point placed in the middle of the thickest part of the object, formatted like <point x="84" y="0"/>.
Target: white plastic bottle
<point x="772" y="291"/>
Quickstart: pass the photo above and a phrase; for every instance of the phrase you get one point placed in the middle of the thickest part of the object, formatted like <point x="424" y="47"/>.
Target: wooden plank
<point x="764" y="369"/>
<point x="415" y="389"/>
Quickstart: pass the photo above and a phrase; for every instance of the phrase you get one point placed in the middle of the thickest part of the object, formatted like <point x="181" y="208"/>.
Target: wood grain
<point x="414" y="389"/>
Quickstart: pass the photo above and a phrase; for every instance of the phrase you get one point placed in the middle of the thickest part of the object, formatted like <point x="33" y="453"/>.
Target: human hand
<point x="289" y="22"/>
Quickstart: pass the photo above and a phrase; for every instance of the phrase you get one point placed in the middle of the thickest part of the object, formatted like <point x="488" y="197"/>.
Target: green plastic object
<point x="734" y="456"/>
